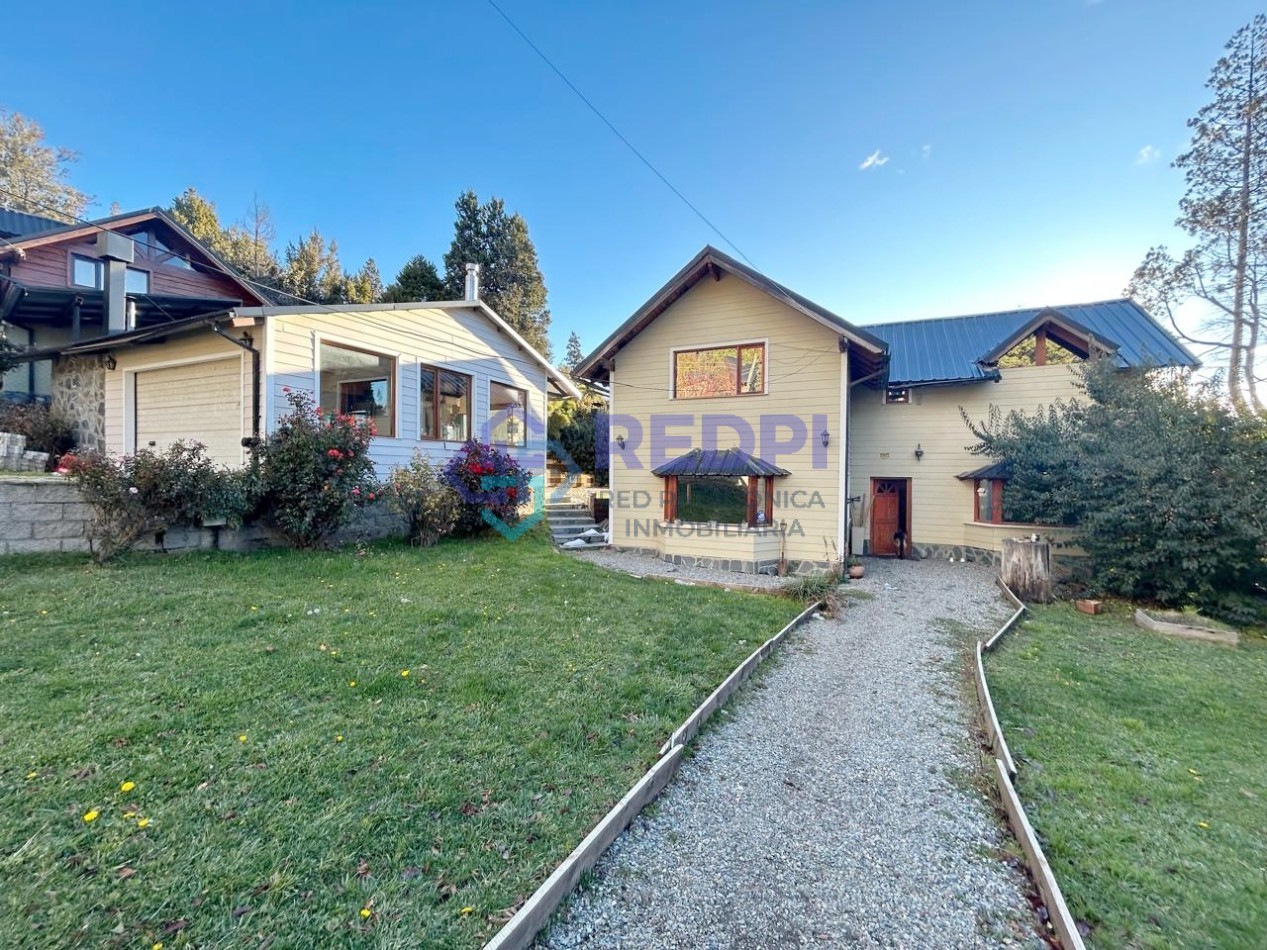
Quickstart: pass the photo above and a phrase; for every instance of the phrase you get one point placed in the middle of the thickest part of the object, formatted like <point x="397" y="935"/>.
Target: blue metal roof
<point x="15" y="223"/>
<point x="726" y="462"/>
<point x="947" y="349"/>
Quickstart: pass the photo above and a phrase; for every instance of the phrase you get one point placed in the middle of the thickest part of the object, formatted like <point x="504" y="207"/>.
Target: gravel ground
<point x="833" y="805"/>
<point x="634" y="562"/>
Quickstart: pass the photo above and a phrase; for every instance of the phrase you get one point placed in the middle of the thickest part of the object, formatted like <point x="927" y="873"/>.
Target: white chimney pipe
<point x="472" y="282"/>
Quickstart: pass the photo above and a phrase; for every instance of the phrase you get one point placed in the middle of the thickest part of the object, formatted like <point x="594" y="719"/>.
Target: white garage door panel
<point x="196" y="402"/>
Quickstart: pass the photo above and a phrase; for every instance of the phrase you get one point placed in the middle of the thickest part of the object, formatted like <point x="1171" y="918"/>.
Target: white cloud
<point x="874" y="160"/>
<point x="926" y="152"/>
<point x="1147" y="155"/>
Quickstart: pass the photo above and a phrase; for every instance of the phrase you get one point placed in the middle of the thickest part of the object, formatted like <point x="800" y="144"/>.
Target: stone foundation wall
<point x="79" y="393"/>
<point x="960" y="552"/>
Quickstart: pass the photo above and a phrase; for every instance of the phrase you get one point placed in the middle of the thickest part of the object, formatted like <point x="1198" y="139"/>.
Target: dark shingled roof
<point x="993" y="470"/>
<point x="726" y="462"/>
<point x="15" y="223"/>
<point x="950" y="349"/>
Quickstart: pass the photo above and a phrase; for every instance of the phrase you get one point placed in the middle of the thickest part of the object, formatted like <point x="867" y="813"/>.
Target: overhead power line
<point x="616" y="132"/>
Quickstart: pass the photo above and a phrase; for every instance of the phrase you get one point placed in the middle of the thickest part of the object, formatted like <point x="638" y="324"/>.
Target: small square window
<point x="137" y="281"/>
<point x="86" y="272"/>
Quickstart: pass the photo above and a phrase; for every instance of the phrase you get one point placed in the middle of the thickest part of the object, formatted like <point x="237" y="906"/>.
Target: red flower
<point x="511" y="492"/>
<point x="335" y="454"/>
<point x="355" y="491"/>
<point x="370" y="496"/>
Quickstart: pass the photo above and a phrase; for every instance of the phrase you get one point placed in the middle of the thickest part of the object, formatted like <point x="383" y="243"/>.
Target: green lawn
<point x="1144" y="769"/>
<point x="390" y="748"/>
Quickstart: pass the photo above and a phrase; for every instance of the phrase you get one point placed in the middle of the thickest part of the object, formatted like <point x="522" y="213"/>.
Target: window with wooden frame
<point x="507" y="414"/>
<point x="716" y="371"/>
<point x="444" y="403"/>
<point x="989" y="500"/>
<point x="359" y="383"/>
<point x="725" y="499"/>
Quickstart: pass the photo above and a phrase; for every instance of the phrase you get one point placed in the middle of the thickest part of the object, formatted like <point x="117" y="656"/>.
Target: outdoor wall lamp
<point x="826" y="437"/>
<point x="108" y="361"/>
<point x="919" y="451"/>
<point x="620" y="440"/>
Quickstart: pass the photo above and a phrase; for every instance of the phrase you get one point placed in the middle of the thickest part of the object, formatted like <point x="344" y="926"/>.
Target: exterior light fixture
<point x="620" y="440"/>
<point x="826" y="437"/>
<point x="109" y="362"/>
<point x="919" y="451"/>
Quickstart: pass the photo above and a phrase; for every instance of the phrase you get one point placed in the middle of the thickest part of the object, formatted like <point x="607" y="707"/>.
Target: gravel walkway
<point x="833" y="805"/>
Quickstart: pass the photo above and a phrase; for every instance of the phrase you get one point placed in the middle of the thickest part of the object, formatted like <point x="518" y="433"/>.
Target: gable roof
<point x="724" y="462"/>
<point x="963" y="349"/>
<point x="55" y="231"/>
<point x="712" y="262"/>
<point x="15" y="223"/>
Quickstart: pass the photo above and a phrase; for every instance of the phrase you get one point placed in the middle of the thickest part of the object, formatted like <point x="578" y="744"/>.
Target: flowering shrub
<point x="428" y="505"/>
<point x="135" y="495"/>
<point x="486" y="480"/>
<point x="315" y="472"/>
<point x="46" y="430"/>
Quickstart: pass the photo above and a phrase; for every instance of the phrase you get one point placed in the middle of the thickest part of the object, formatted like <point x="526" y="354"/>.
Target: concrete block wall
<point x="41" y="513"/>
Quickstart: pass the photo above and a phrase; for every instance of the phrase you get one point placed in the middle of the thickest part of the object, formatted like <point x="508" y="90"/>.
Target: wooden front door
<point x="889" y="506"/>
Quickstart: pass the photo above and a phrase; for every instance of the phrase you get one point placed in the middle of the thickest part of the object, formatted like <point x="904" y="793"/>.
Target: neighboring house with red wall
<point x="65" y="284"/>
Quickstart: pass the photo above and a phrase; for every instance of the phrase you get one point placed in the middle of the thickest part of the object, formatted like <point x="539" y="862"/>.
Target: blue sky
<point x="1021" y="149"/>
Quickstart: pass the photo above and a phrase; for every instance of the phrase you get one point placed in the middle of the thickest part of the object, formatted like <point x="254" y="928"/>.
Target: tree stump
<point x="1027" y="569"/>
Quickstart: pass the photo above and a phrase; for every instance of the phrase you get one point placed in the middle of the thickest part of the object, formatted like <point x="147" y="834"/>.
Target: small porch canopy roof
<point x="721" y="462"/>
<point x="995" y="470"/>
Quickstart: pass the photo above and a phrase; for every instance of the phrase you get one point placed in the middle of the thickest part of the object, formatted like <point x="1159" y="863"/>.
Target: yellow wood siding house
<point x="750" y="426"/>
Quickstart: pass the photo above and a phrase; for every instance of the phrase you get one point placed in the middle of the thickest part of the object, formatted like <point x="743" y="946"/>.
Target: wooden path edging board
<point x="521" y="929"/>
<point x="536" y="912"/>
<point x="993" y="731"/>
<point x="1226" y="637"/>
<point x="1057" y="911"/>
<point x="688" y="730"/>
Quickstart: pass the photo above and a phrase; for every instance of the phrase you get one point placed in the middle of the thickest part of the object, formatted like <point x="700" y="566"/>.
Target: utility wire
<point x="616" y="132"/>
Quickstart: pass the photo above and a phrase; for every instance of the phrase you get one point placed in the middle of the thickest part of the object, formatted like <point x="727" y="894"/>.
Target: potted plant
<point x="856" y="570"/>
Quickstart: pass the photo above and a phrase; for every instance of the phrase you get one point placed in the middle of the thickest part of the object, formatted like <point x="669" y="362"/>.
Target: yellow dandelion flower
<point x="143" y="823"/>
<point x="92" y="815"/>
<point x="352" y="683"/>
<point x="467" y="910"/>
<point x="157" y="946"/>
<point x="32" y="775"/>
<point x="129" y="814"/>
<point x="365" y="912"/>
<point x="242" y="738"/>
<point x="338" y="738"/>
<point x="404" y="672"/>
<point x="127" y="786"/>
<point x="1203" y="824"/>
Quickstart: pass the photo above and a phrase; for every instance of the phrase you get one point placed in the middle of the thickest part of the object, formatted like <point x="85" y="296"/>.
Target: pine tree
<point x="245" y="246"/>
<point x="312" y="270"/>
<point x="366" y="285"/>
<point x="33" y="175"/>
<point x="574" y="353"/>
<point x="417" y="280"/>
<point x="1225" y="209"/>
<point x="510" y="278"/>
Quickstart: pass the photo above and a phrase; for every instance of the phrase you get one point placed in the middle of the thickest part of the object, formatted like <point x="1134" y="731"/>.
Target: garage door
<point x="196" y="402"/>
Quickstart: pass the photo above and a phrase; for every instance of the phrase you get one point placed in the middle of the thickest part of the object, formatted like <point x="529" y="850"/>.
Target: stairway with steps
<point x="569" y="521"/>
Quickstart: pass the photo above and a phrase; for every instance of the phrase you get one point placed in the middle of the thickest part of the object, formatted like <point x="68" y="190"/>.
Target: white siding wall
<point x="463" y="341"/>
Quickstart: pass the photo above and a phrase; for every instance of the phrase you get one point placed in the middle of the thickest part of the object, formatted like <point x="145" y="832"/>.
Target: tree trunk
<point x="1027" y="569"/>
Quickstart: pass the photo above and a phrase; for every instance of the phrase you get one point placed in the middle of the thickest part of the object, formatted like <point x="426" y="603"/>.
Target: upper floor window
<point x="358" y="383"/>
<point x="150" y="245"/>
<point x="507" y="414"/>
<point x="719" y="371"/>
<point x="444" y="404"/>
<point x="899" y="395"/>
<point x="91" y="272"/>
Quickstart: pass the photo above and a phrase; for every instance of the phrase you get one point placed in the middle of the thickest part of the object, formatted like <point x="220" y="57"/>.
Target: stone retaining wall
<point x="41" y="514"/>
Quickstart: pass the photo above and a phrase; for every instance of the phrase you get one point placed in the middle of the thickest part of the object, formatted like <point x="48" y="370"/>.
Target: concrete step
<point x="581" y="517"/>
<point x="571" y="531"/>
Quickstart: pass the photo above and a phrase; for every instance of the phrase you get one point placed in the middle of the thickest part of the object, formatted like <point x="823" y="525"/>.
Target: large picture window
<point x="445" y="405"/>
<point x="719" y="371"/>
<point x="507" y="414"/>
<point x="361" y="384"/>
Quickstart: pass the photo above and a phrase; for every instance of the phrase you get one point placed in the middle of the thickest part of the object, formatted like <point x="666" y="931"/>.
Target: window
<point x="86" y="272"/>
<point x="359" y="384"/>
<point x="445" y="405"/>
<point x="719" y="371"/>
<point x="153" y="247"/>
<point x="507" y="414"/>
<point x="713" y="498"/>
<point x="898" y="395"/>
<point x="137" y="281"/>
<point x="989" y="507"/>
